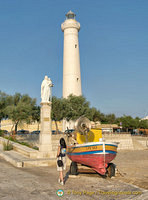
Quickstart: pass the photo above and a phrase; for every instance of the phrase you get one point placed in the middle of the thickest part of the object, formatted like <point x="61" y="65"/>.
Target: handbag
<point x="59" y="162"/>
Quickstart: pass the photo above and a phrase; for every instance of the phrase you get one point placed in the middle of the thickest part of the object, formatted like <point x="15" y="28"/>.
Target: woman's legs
<point x="61" y="176"/>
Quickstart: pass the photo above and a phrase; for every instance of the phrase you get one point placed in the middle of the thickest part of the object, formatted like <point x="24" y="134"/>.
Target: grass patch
<point x="13" y="139"/>
<point x="25" y="144"/>
<point x="1" y="133"/>
<point x="36" y="148"/>
<point x="7" y="146"/>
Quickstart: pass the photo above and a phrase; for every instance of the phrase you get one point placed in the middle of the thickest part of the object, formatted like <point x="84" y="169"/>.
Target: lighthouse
<point x="71" y="57"/>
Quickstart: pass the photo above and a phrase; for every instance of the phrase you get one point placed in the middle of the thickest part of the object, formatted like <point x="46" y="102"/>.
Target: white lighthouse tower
<point x="71" y="57"/>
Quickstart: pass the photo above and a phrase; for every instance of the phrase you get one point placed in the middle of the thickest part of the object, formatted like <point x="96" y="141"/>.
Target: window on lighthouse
<point x="75" y="45"/>
<point x="70" y="15"/>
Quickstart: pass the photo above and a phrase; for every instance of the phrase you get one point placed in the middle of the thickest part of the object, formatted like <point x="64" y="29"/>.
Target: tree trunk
<point x="16" y="127"/>
<point x="11" y="135"/>
<point x="56" y="127"/>
<point x="38" y="126"/>
<point x="12" y="128"/>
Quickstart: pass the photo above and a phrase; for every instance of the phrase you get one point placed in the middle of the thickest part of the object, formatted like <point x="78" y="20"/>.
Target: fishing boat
<point x="96" y="155"/>
<point x="90" y="149"/>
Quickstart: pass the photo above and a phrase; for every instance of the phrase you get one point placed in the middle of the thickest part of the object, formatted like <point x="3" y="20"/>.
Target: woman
<point x="61" y="154"/>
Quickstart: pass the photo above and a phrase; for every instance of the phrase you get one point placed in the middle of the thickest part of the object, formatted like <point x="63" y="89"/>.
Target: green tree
<point x="143" y="124"/>
<point x="21" y="109"/>
<point x="58" y="110"/>
<point x="5" y="100"/>
<point x="36" y="114"/>
<point x="128" y="122"/>
<point x="75" y="106"/>
<point x="110" y="118"/>
<point x="103" y="118"/>
<point x="93" y="114"/>
<point x="3" y="104"/>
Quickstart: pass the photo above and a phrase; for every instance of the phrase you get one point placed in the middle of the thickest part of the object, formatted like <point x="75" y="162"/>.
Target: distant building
<point x="145" y="118"/>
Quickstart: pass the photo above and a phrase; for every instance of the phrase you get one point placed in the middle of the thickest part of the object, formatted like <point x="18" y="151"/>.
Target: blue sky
<point x="113" y="50"/>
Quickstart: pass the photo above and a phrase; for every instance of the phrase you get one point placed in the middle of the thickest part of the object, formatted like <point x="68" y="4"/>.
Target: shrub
<point x="24" y="143"/>
<point x="1" y="133"/>
<point x="7" y="146"/>
<point x="12" y="138"/>
<point x="36" y="148"/>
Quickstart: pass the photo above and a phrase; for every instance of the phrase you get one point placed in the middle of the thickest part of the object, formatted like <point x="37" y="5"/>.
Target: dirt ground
<point x="40" y="183"/>
<point x="133" y="167"/>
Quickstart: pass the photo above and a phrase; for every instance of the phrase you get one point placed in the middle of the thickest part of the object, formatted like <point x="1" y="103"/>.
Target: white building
<point x="71" y="61"/>
<point x="71" y="57"/>
<point x="145" y="118"/>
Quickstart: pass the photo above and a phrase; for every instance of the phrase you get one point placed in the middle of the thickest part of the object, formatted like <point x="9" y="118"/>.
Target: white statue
<point x="46" y="85"/>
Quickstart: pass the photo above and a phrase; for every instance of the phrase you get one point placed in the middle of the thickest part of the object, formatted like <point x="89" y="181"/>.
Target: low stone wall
<point x="29" y="152"/>
<point x="127" y="142"/>
<point x="140" y="142"/>
<point x="124" y="140"/>
<point x="7" y="125"/>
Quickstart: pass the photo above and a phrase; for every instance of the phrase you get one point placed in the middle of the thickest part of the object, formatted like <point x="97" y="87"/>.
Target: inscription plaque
<point x="46" y="119"/>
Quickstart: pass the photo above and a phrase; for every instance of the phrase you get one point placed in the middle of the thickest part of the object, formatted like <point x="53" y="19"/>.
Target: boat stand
<point x="76" y="168"/>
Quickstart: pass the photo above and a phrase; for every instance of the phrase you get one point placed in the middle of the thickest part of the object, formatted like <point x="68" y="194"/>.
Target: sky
<point x="113" y="43"/>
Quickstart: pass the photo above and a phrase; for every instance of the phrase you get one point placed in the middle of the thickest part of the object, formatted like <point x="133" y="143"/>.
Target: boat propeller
<point x="83" y="125"/>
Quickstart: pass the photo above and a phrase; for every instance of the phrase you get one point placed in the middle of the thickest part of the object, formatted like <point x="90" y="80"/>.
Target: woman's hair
<point x="62" y="143"/>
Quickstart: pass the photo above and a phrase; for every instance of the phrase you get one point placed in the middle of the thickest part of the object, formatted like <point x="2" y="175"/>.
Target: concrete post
<point x="45" y="139"/>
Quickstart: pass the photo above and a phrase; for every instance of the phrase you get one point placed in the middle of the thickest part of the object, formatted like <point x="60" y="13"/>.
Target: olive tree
<point x="21" y="109"/>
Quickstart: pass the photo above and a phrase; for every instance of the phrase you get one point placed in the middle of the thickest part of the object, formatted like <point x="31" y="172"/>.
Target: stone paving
<point x="40" y="183"/>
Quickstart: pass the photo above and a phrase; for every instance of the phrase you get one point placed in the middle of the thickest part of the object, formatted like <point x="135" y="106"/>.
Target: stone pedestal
<point x="45" y="139"/>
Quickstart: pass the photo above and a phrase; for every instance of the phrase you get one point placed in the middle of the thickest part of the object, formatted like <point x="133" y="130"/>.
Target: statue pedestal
<point x="45" y="140"/>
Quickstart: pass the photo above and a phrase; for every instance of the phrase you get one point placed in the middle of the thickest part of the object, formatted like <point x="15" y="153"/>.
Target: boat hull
<point x="96" y="155"/>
